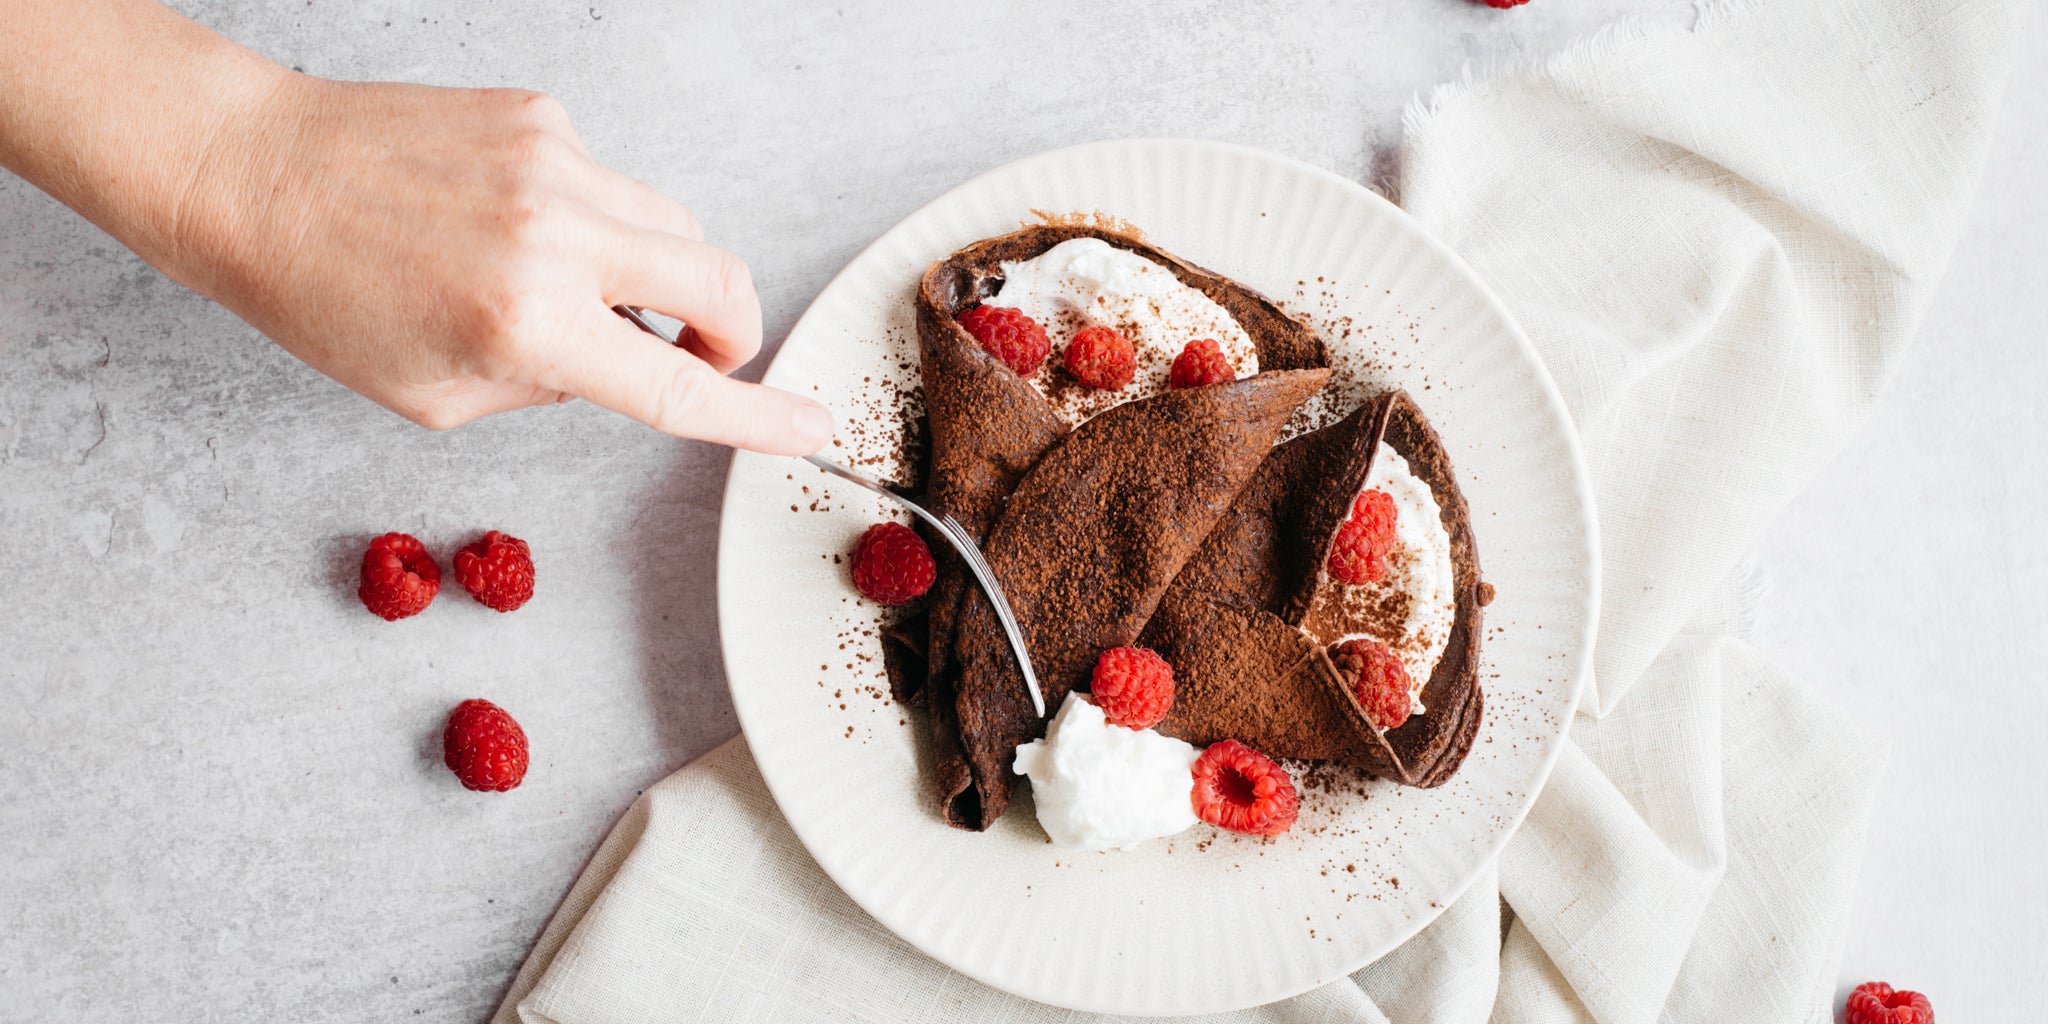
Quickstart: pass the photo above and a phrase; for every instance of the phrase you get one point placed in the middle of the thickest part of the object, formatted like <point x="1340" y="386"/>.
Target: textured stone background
<point x="219" y="793"/>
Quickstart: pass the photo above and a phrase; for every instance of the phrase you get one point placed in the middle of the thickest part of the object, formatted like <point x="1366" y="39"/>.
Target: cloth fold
<point x="1720" y="243"/>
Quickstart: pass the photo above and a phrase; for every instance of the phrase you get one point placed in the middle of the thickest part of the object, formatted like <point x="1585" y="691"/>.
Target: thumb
<point x="636" y="374"/>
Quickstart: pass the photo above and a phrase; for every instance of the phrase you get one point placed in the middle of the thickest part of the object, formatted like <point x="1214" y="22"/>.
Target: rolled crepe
<point x="1232" y="623"/>
<point x="1156" y="472"/>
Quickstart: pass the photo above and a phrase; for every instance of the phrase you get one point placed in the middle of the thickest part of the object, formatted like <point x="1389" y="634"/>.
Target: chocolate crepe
<point x="1085" y="529"/>
<point x="1232" y="622"/>
<point x="1088" y="543"/>
<point x="988" y="426"/>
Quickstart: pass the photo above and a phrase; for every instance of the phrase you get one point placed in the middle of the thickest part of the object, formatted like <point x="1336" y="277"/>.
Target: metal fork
<point x="952" y="532"/>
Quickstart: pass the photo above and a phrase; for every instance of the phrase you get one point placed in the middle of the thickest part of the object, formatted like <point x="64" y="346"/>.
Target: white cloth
<point x="1720" y="242"/>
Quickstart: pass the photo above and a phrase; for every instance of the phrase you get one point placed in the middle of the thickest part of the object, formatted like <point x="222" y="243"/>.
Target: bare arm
<point x="449" y="253"/>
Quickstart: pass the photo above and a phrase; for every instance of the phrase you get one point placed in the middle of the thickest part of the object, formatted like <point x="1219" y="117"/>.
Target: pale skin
<point x="447" y="253"/>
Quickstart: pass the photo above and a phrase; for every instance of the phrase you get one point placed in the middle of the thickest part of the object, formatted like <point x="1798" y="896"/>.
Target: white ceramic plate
<point x="1206" y="921"/>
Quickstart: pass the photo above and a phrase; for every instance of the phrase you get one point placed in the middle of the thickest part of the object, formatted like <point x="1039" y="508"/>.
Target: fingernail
<point x="813" y="425"/>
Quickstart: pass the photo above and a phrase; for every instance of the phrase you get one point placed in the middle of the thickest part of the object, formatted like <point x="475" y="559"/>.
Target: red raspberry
<point x="1503" y="5"/>
<point x="1359" y="555"/>
<point x="484" y="747"/>
<point x="892" y="565"/>
<point x="497" y="571"/>
<point x="399" y="578"/>
<point x="1241" y="790"/>
<point x="1102" y="358"/>
<point x="1133" y="686"/>
<point x="1378" y="680"/>
<point x="1008" y="335"/>
<point x="1199" y="364"/>
<point x="1874" y="1002"/>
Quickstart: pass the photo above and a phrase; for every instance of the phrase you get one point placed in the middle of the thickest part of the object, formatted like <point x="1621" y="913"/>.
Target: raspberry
<point x="399" y="578"/>
<point x="484" y="747"/>
<point x="1874" y="1002"/>
<point x="1503" y="5"/>
<point x="1359" y="555"/>
<point x="1008" y="335"/>
<point x="1241" y="790"/>
<point x="1378" y="680"/>
<point x="1102" y="358"/>
<point x="1133" y="686"/>
<point x="497" y="571"/>
<point x="892" y="565"/>
<point x="1198" y="364"/>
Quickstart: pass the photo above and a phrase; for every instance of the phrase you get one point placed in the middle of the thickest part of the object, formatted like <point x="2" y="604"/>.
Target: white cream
<point x="1087" y="282"/>
<point x="1105" y="787"/>
<point x="1420" y="568"/>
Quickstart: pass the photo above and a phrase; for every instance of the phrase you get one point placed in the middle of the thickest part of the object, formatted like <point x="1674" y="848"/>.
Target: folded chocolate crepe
<point x="1248" y="663"/>
<point x="1085" y="527"/>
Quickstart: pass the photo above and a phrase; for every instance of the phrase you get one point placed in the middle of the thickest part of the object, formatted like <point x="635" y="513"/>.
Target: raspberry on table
<point x="1133" y="686"/>
<point x="1502" y="5"/>
<point x="1102" y="358"/>
<point x="497" y="571"/>
<point x="1378" y="680"/>
<point x="1875" y="1002"/>
<point x="1365" y="541"/>
<point x="1200" y="364"/>
<point x="892" y="565"/>
<point x="484" y="747"/>
<point x="399" y="578"/>
<point x="1239" y="789"/>
<point x="1009" y="335"/>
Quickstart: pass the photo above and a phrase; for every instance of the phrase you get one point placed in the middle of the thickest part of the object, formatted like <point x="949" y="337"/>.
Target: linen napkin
<point x="1720" y="242"/>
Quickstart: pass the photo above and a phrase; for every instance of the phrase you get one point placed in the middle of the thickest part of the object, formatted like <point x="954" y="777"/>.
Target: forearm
<point x="120" y="109"/>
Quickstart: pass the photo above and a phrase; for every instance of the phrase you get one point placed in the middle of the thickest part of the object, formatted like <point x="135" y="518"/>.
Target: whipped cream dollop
<point x="1087" y="282"/>
<point x="1412" y="607"/>
<point x="1105" y="787"/>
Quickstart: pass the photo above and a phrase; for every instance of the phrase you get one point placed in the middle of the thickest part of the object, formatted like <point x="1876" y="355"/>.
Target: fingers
<point x="655" y="247"/>
<point x="617" y="366"/>
<point x="637" y="203"/>
<point x="690" y="341"/>
<point x="702" y="285"/>
<point x="543" y="132"/>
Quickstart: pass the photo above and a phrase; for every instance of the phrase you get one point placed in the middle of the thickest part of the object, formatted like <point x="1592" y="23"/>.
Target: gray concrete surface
<point x="219" y="790"/>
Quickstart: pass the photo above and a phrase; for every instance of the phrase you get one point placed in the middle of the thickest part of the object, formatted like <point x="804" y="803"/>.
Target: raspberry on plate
<point x="1199" y="364"/>
<point x="399" y="578"/>
<point x="1378" y="680"/>
<point x="1364" y="542"/>
<point x="892" y="565"/>
<point x="1102" y="358"/>
<point x="1009" y="335"/>
<point x="1239" y="789"/>
<point x="497" y="571"/>
<point x="484" y="747"/>
<point x="1133" y="686"/>
<point x="1502" y="5"/>
<point x="1874" y="1002"/>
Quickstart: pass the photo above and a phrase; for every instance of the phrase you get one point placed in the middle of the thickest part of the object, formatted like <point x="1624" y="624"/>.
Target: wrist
<point x="205" y="220"/>
<point x="124" y="111"/>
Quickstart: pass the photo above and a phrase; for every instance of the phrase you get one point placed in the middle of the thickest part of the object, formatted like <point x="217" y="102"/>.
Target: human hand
<point x="449" y="253"/>
<point x="452" y="253"/>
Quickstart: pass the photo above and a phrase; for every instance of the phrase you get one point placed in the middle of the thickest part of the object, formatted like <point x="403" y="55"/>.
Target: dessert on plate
<point x="1311" y="627"/>
<point x="1019" y="461"/>
<point x="1103" y="419"/>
